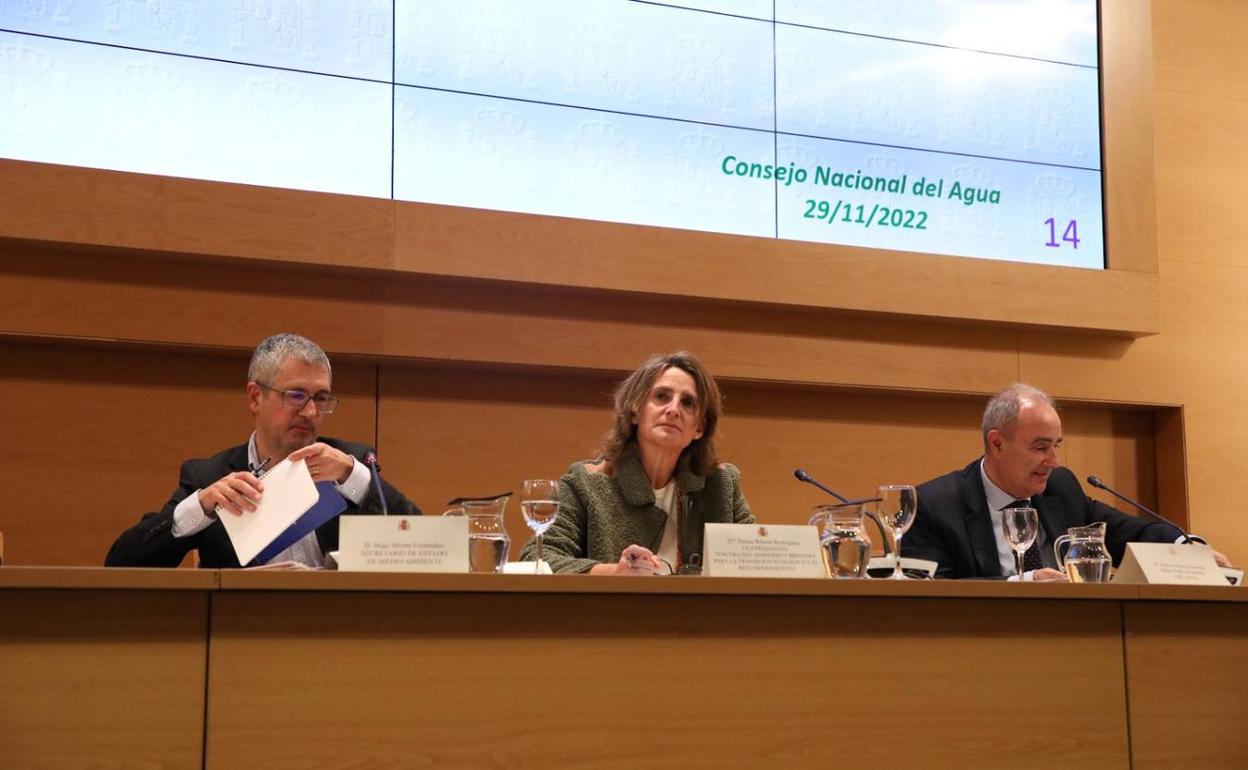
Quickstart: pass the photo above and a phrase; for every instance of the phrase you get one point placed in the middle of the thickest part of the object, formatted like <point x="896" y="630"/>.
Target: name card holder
<point x="403" y="544"/>
<point x="762" y="550"/>
<point x="1189" y="564"/>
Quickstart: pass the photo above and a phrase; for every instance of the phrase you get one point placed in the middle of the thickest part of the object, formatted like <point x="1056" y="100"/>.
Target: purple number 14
<point x="1069" y="235"/>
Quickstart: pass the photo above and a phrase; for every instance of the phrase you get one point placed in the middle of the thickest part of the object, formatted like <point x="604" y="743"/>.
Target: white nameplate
<point x="526" y="568"/>
<point x="1190" y="564"/>
<point x="762" y="550"/>
<point x="403" y="543"/>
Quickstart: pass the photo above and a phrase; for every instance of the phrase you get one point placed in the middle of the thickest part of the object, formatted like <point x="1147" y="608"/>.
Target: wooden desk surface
<point x="96" y="578"/>
<point x="273" y="580"/>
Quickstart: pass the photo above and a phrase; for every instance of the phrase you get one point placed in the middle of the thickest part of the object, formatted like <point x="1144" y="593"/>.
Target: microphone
<point x="370" y="460"/>
<point x="802" y="475"/>
<point x="1096" y="482"/>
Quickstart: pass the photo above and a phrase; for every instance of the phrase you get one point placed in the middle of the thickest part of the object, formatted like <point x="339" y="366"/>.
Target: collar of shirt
<point x="253" y="455"/>
<point x="997" y="497"/>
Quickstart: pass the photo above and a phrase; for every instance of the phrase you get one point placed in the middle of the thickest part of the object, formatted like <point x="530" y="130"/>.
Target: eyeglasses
<point x="325" y="402"/>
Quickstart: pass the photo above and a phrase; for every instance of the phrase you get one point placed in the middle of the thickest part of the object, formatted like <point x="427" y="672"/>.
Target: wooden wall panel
<point x="95" y="437"/>
<point x="1201" y="47"/>
<point x="115" y="295"/>
<point x="1200" y="167"/>
<point x="598" y="255"/>
<point x="142" y="212"/>
<point x="118" y="296"/>
<point x="1215" y="472"/>
<point x="1191" y="714"/>
<point x="452" y="432"/>
<point x="448" y="679"/>
<point x="1127" y="129"/>
<point x="527" y="325"/>
<point x="1113" y="444"/>
<point x="103" y="679"/>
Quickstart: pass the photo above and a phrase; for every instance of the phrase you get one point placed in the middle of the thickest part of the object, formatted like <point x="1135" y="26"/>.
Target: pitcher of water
<point x="488" y="541"/>
<point x="1086" y="559"/>
<point x="843" y="540"/>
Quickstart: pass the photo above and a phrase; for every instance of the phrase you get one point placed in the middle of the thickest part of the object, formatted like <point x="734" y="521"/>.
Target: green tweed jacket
<point x="601" y="515"/>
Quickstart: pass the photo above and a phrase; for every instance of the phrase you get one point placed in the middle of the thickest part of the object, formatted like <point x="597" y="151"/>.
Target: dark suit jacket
<point x="953" y="527"/>
<point x="151" y="543"/>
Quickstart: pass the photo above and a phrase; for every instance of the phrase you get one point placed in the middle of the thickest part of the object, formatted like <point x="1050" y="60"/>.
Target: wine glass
<point x="539" y="500"/>
<point x="1021" y="526"/>
<point x="897" y="506"/>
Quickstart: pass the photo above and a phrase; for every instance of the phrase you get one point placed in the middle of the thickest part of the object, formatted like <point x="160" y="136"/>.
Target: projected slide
<point x="965" y="127"/>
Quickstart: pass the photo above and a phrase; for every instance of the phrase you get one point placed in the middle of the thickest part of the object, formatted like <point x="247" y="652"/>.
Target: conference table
<point x="229" y="669"/>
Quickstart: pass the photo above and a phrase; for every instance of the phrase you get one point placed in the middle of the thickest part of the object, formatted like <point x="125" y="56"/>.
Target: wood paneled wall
<point x="125" y="340"/>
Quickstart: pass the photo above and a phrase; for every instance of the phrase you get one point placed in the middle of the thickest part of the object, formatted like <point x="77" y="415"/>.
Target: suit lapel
<point x="237" y="461"/>
<point x="1051" y="517"/>
<point x="979" y="523"/>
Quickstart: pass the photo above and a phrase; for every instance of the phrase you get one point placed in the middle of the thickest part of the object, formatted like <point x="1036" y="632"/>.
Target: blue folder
<point x="328" y="505"/>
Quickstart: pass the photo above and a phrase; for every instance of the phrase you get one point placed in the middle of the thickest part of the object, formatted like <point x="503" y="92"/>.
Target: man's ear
<point x="995" y="441"/>
<point x="254" y="394"/>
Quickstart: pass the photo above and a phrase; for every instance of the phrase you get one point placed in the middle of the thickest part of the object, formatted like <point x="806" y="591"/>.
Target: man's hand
<point x="237" y="492"/>
<point x="1046" y="574"/>
<point x="1221" y="559"/>
<point x="324" y="462"/>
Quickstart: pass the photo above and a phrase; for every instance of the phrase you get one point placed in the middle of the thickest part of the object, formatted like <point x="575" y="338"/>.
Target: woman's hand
<point x="635" y="561"/>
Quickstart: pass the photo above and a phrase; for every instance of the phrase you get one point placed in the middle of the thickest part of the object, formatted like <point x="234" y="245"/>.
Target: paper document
<point x="284" y="566"/>
<point x="288" y="493"/>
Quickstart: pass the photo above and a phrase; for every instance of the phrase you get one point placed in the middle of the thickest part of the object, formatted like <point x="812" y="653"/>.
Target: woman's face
<point x="670" y="417"/>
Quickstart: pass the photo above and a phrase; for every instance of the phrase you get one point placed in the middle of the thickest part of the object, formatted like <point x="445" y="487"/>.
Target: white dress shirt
<point x="998" y="500"/>
<point x="189" y="517"/>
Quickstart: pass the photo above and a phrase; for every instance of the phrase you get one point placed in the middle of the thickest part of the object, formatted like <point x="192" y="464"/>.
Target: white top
<point x="665" y="498"/>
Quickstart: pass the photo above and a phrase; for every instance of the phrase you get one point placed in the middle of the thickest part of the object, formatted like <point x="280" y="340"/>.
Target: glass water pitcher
<point x="843" y="539"/>
<point x="1086" y="559"/>
<point x="488" y="542"/>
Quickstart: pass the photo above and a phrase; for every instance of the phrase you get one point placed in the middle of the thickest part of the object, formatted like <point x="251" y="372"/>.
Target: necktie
<point x="1031" y="557"/>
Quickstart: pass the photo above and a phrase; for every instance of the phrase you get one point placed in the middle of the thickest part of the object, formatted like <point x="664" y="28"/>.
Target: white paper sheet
<point x="288" y="493"/>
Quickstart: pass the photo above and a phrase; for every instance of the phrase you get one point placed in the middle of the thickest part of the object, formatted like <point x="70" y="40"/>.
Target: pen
<point x="258" y="472"/>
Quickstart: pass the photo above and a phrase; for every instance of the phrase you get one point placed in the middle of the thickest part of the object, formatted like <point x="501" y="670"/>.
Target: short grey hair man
<point x="274" y="350"/>
<point x="1001" y="412"/>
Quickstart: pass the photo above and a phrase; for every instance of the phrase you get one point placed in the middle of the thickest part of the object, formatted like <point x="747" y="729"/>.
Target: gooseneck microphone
<point x="370" y="460"/>
<point x="802" y="475"/>
<point x="1096" y="482"/>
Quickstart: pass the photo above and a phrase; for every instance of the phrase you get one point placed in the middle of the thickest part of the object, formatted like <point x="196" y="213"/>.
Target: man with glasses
<point x="288" y="393"/>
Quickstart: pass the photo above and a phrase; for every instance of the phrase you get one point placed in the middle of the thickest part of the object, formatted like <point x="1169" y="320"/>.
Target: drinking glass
<point x="1021" y="526"/>
<point x="897" y="506"/>
<point x="539" y="500"/>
